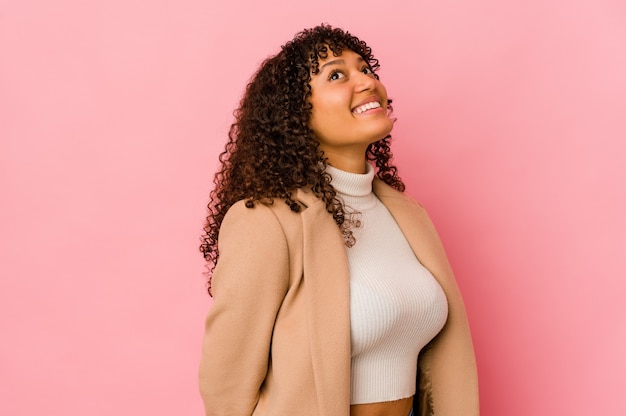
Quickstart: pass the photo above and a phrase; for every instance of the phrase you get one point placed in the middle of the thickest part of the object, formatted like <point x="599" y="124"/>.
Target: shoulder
<point x="277" y="207"/>
<point x="267" y="224"/>
<point x="253" y="250"/>
<point x="260" y="214"/>
<point x="398" y="200"/>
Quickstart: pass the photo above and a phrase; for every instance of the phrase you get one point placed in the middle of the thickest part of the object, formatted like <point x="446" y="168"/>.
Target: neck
<point x="349" y="162"/>
<point x="354" y="189"/>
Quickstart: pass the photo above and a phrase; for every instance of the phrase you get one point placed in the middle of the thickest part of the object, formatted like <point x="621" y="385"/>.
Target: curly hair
<point x="272" y="151"/>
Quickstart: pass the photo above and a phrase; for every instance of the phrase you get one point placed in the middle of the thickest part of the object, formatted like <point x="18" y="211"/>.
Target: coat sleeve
<point x="448" y="384"/>
<point x="249" y="284"/>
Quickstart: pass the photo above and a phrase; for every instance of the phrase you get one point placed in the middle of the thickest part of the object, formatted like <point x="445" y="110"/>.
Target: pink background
<point x="511" y="130"/>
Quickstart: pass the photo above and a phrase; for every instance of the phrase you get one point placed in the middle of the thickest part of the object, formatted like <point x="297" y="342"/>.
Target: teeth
<point x="368" y="106"/>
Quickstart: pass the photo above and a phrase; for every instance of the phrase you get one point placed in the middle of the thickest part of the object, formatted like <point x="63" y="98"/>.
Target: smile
<point x="367" y="106"/>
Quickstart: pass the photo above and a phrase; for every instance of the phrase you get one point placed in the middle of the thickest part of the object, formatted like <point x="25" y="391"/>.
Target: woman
<point x="328" y="281"/>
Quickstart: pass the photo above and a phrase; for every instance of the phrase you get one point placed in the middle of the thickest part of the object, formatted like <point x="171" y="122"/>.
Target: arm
<point x="249" y="284"/>
<point x="449" y="379"/>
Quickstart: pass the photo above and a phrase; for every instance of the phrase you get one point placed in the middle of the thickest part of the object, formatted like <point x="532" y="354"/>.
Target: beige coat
<point x="277" y="339"/>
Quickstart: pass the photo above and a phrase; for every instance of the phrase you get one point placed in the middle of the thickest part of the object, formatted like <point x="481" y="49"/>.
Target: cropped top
<point x="396" y="305"/>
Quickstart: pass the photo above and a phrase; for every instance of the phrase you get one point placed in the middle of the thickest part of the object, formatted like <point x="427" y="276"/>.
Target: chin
<point x="384" y="132"/>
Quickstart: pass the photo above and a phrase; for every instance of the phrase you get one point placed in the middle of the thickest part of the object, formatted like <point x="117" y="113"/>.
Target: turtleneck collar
<point x="354" y="188"/>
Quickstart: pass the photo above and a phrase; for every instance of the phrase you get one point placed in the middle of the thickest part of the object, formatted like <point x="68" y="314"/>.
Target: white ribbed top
<point x="396" y="305"/>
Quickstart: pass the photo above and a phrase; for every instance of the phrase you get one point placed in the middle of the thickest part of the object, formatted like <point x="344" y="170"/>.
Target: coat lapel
<point x="327" y="288"/>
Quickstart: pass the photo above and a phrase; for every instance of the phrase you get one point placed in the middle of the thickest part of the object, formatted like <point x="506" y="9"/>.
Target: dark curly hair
<point x="272" y="151"/>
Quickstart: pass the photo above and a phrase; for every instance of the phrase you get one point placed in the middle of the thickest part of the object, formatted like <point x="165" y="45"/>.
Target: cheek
<point x="333" y="99"/>
<point x="327" y="110"/>
<point x="383" y="91"/>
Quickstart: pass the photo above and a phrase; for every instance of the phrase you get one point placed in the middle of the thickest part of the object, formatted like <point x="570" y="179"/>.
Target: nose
<point x="364" y="82"/>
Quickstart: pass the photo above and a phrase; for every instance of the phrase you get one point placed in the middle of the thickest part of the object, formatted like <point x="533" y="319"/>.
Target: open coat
<point x="277" y="337"/>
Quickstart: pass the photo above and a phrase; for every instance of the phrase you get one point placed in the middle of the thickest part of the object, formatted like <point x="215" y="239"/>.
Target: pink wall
<point x="511" y="131"/>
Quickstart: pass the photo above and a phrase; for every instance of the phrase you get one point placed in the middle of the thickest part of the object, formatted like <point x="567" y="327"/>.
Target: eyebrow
<point x="337" y="62"/>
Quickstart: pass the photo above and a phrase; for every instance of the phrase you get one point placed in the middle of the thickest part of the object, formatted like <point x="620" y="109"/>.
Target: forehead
<point x="345" y="55"/>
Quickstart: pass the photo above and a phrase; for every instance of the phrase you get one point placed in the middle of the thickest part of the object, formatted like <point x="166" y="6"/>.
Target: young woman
<point x="332" y="292"/>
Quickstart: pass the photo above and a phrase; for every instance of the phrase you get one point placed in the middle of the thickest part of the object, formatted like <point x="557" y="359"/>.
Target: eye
<point x="335" y="75"/>
<point x="367" y="70"/>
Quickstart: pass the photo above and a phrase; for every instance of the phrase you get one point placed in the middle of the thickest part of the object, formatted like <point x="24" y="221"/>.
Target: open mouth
<point x="367" y="106"/>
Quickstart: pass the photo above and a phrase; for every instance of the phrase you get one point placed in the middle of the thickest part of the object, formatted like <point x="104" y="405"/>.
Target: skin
<point x="344" y="83"/>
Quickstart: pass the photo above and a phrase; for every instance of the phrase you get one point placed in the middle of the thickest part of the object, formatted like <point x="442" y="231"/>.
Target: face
<point x="349" y="105"/>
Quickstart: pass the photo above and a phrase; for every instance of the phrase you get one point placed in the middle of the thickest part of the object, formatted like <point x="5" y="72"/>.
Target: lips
<point x="363" y="108"/>
<point x="367" y="104"/>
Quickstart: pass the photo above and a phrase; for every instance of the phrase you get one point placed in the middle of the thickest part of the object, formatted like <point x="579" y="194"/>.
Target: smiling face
<point x="349" y="108"/>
